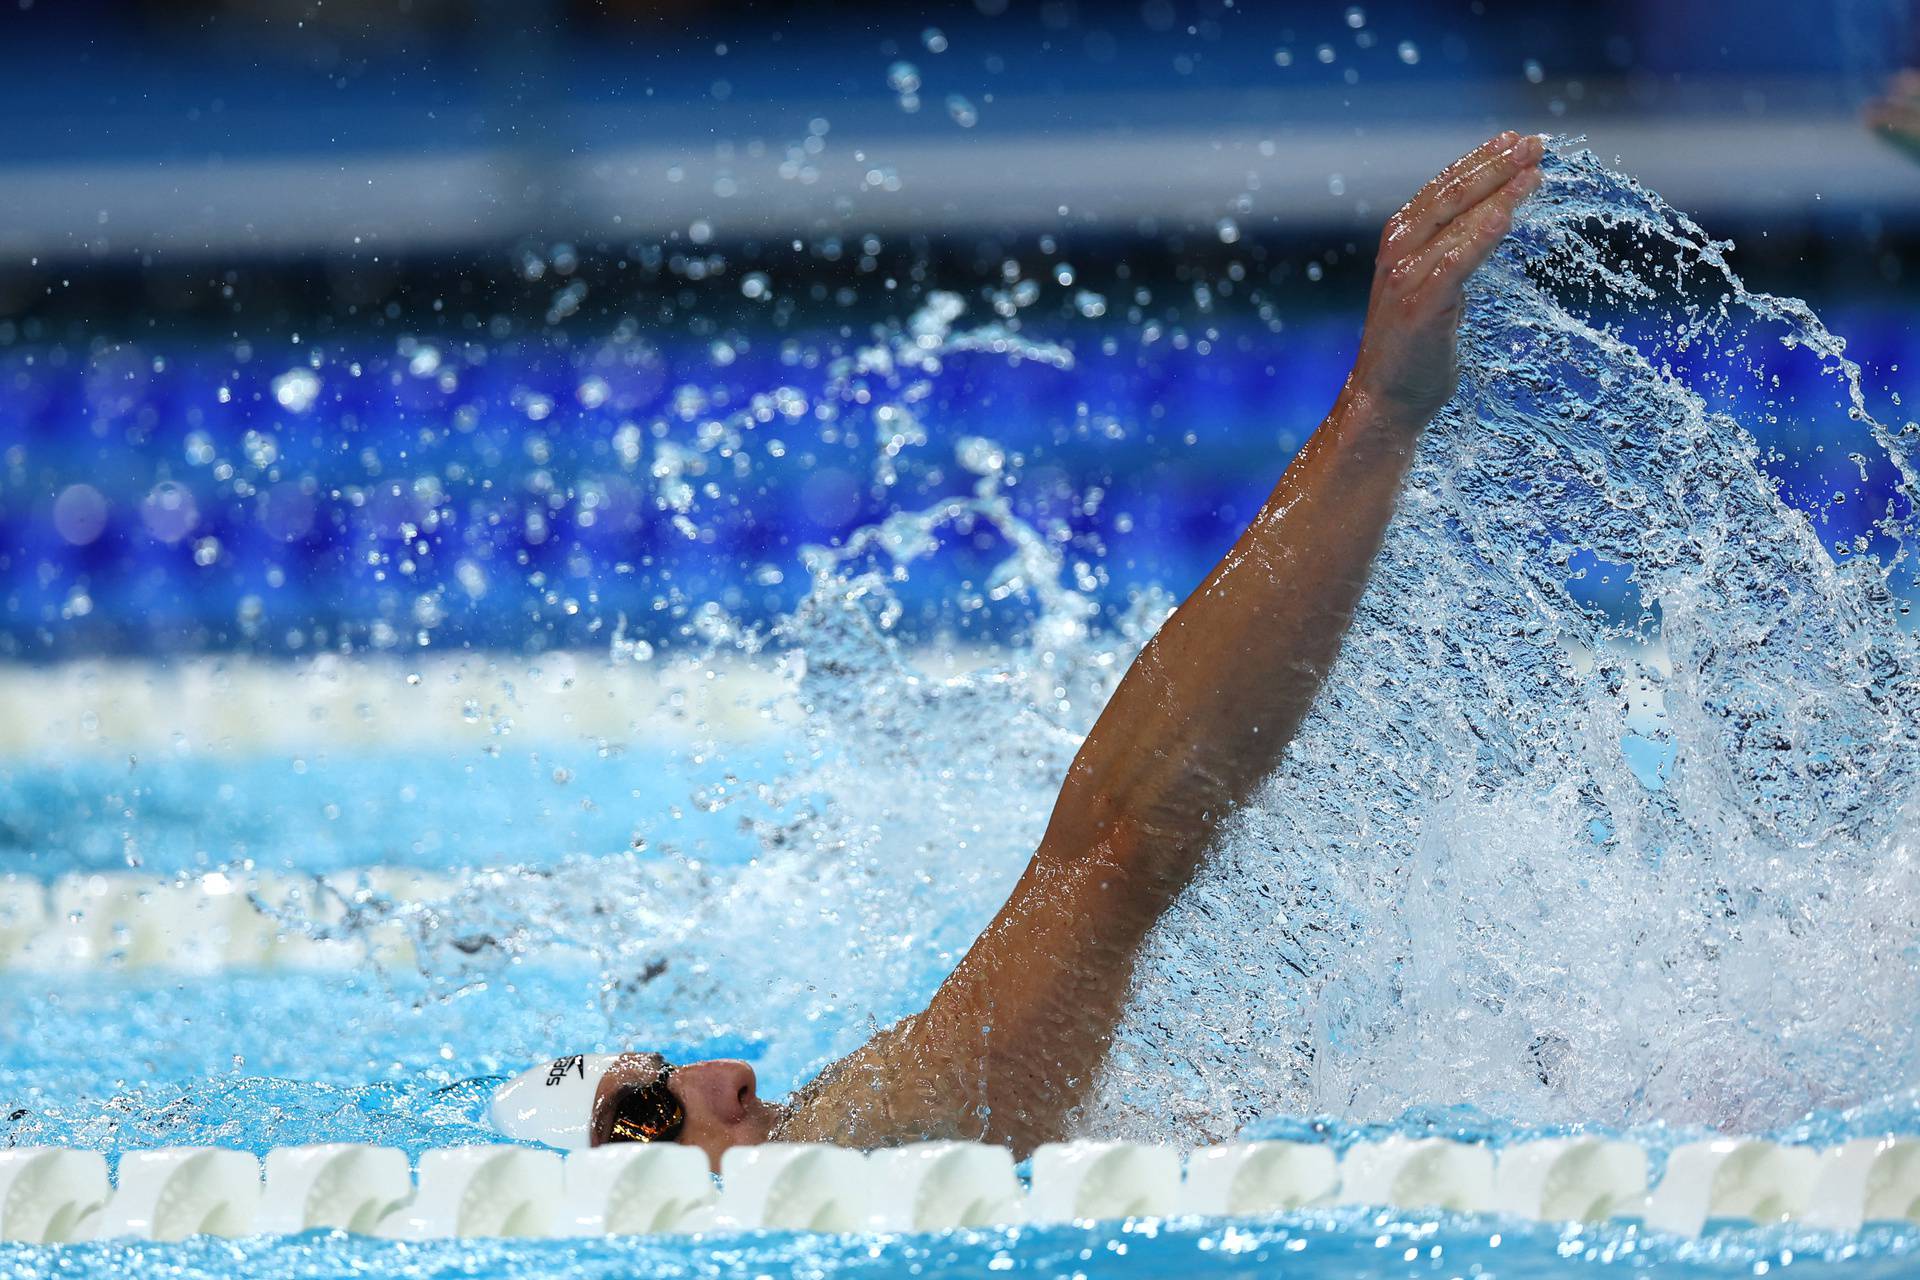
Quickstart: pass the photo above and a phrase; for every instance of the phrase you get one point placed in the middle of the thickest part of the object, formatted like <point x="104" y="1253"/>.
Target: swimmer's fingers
<point x="1436" y="275"/>
<point x="1459" y="188"/>
<point x="1417" y="221"/>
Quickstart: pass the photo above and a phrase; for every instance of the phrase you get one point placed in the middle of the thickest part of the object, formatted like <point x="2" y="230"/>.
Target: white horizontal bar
<point x="1309" y="175"/>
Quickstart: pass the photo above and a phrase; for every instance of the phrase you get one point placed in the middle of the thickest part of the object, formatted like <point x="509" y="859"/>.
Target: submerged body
<point x="1008" y="1047"/>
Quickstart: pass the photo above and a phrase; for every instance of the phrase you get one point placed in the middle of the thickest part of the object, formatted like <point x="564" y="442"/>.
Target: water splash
<point x="862" y="896"/>
<point x="1457" y="888"/>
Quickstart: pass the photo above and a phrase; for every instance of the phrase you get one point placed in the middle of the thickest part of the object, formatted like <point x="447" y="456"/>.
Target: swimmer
<point x="1010" y="1044"/>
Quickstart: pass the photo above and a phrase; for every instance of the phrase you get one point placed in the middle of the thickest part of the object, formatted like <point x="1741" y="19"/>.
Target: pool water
<point x="1602" y="824"/>
<point x="1354" y="1245"/>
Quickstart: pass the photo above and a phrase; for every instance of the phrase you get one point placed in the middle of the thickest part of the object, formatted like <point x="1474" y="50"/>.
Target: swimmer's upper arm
<point x="1008" y="1044"/>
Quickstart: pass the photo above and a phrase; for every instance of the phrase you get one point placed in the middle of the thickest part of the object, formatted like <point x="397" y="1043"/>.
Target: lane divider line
<point x="53" y="1196"/>
<point x="213" y="921"/>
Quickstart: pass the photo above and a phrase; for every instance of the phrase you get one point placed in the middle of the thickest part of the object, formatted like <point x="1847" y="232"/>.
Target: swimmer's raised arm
<point x="1011" y="1041"/>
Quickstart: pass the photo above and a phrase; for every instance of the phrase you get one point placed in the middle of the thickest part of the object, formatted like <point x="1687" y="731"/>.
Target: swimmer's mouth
<point x="649" y="1112"/>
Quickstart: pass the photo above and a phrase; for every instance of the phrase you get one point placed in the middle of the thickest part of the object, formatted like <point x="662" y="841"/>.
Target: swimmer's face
<point x="717" y="1100"/>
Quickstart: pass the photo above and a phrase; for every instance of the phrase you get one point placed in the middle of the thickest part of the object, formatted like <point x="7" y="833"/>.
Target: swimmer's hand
<point x="1896" y="117"/>
<point x="1406" y="369"/>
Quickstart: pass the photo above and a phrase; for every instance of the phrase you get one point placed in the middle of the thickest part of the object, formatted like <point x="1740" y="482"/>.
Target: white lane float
<point x="1099" y="1180"/>
<point x="1259" y="1177"/>
<point x="23" y="914"/>
<point x="1570" y="1180"/>
<point x="294" y="926"/>
<point x="177" y="1192"/>
<point x="638" y="1189"/>
<point x="55" y="1195"/>
<point x="334" y="1186"/>
<point x="212" y="921"/>
<point x="794" y="1186"/>
<point x="126" y="920"/>
<point x="1744" y="1179"/>
<point x="247" y="936"/>
<point x="489" y="1191"/>
<point x="1418" y="1173"/>
<point x="1866" y="1180"/>
<point x="938" y="1186"/>
<point x="90" y="921"/>
<point x="190" y="926"/>
<point x="390" y="941"/>
<point x="48" y="1195"/>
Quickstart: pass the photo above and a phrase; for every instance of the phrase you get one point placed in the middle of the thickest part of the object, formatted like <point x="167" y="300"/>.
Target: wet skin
<point x="1010" y="1043"/>
<point x="721" y="1100"/>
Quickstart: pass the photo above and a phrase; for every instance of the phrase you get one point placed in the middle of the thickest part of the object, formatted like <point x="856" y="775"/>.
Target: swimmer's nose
<point x="724" y="1088"/>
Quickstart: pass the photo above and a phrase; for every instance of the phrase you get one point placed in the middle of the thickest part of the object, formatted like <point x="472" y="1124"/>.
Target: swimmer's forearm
<point x="1205" y="712"/>
<point x="1210" y="705"/>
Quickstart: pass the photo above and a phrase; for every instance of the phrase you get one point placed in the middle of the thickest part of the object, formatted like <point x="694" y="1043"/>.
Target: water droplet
<point x="169" y="511"/>
<point x="79" y="514"/>
<point x="979" y="455"/>
<point x="903" y="78"/>
<point x="296" y="389"/>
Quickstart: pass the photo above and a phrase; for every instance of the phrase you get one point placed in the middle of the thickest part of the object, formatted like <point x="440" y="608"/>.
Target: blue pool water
<point x="1353" y="1245"/>
<point x="1603" y="823"/>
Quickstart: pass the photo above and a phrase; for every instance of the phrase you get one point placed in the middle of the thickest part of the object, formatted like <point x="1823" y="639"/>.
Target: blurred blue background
<point x="320" y="324"/>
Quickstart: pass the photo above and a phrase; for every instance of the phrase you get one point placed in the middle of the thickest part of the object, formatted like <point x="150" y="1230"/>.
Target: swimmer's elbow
<point x="1148" y="833"/>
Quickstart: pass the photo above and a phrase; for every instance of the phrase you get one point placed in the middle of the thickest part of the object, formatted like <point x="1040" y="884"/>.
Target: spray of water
<point x="1458" y="888"/>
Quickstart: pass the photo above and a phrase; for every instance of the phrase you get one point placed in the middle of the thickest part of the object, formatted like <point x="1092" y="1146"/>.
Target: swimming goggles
<point x="644" y="1112"/>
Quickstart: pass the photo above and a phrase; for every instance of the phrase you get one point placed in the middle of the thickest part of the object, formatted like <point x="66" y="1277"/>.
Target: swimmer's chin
<point x="781" y="1124"/>
<point x="801" y="1118"/>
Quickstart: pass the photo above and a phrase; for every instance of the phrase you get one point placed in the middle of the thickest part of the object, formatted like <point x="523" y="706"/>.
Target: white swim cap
<point x="553" y="1102"/>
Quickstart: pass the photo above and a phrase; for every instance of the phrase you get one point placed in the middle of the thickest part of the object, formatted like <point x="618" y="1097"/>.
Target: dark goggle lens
<point x="647" y="1113"/>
